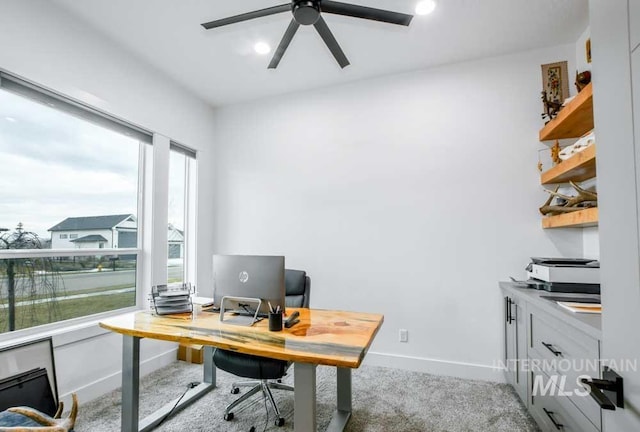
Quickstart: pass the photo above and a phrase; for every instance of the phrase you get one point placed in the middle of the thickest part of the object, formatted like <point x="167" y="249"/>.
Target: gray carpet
<point x="384" y="400"/>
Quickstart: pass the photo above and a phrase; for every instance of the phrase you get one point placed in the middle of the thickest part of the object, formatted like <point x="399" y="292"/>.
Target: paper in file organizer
<point x="172" y="299"/>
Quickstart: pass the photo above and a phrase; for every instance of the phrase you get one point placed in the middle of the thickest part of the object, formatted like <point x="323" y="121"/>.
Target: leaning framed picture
<point x="555" y="81"/>
<point x="23" y="364"/>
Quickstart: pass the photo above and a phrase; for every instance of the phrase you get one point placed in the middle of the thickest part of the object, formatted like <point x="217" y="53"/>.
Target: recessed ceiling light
<point x="425" y="7"/>
<point x="10" y="119"/>
<point x="262" y="48"/>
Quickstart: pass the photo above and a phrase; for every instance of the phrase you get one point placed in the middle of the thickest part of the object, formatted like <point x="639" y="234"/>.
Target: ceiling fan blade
<point x="331" y="42"/>
<point x="247" y="16"/>
<point x="284" y="43"/>
<point x="365" y="12"/>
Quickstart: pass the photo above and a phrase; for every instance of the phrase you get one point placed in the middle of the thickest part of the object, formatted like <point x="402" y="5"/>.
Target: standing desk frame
<point x="210" y="335"/>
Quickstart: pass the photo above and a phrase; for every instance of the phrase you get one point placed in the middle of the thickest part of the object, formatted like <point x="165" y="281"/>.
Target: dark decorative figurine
<point x="582" y="79"/>
<point x="551" y="107"/>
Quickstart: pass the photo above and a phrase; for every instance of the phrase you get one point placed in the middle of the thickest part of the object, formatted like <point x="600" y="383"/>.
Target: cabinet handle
<point x="612" y="385"/>
<point x="507" y="309"/>
<point x="509" y="314"/>
<point x="550" y="348"/>
<point x="559" y="426"/>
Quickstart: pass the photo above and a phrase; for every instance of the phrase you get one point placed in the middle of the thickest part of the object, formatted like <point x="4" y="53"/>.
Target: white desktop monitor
<point x="249" y="276"/>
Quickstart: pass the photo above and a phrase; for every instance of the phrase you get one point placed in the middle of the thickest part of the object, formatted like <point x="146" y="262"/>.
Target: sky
<point x="54" y="165"/>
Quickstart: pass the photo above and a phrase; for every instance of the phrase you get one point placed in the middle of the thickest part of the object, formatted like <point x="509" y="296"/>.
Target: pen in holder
<point x="275" y="318"/>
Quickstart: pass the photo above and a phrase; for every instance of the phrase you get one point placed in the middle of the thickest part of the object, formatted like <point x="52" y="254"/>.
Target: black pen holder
<point x="275" y="321"/>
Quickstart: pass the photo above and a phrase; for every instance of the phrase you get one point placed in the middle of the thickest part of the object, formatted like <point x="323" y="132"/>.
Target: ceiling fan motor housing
<point x="306" y="12"/>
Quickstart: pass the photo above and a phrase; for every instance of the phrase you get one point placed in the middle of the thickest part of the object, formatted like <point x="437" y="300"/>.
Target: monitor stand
<point x="246" y="320"/>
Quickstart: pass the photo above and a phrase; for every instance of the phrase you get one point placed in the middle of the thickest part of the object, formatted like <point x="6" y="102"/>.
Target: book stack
<point x="172" y="299"/>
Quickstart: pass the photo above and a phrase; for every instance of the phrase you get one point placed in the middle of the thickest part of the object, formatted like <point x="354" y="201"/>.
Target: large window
<point x="181" y="184"/>
<point x="68" y="208"/>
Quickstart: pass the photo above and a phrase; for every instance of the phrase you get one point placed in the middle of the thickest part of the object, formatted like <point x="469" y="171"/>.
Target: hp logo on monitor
<point x="243" y="276"/>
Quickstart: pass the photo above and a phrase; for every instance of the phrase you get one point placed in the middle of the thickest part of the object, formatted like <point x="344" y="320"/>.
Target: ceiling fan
<point x="309" y="12"/>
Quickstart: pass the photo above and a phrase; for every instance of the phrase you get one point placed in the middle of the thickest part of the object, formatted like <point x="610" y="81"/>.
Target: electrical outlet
<point x="404" y="335"/>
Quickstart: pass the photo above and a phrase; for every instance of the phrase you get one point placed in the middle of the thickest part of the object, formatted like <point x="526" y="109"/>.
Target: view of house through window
<point x="69" y="188"/>
<point x="177" y="214"/>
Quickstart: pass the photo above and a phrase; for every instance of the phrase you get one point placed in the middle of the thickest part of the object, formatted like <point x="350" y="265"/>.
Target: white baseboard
<point x="109" y="383"/>
<point x="104" y="385"/>
<point x="436" y="367"/>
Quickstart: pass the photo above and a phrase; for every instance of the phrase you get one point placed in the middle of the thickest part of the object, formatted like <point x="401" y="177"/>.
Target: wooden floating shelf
<point x="579" y="167"/>
<point x="581" y="218"/>
<point x="572" y="121"/>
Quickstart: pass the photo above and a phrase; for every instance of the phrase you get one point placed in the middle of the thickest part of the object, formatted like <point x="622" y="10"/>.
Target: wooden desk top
<point x="326" y="337"/>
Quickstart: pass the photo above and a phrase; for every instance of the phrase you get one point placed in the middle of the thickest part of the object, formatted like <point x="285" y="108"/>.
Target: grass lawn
<point x="32" y="315"/>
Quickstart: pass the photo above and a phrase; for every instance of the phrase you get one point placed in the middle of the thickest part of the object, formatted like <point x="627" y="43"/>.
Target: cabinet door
<point x="515" y="345"/>
<point x="521" y="348"/>
<point x="510" y="342"/>
<point x="616" y="103"/>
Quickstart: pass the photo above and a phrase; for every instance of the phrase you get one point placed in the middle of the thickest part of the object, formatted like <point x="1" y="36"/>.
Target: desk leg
<point x="304" y="407"/>
<point x="130" y="383"/>
<point x="343" y="413"/>
<point x="209" y="368"/>
<point x="208" y="383"/>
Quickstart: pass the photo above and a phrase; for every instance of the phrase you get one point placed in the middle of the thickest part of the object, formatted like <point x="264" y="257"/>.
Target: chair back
<point x="297" y="287"/>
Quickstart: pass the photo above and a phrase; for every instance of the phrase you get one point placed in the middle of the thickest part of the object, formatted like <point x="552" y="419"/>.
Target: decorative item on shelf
<point x="555" y="153"/>
<point x="172" y="299"/>
<point x="587" y="48"/>
<point x="580" y="145"/>
<point x="544" y="159"/>
<point x="582" y="80"/>
<point x="566" y="204"/>
<point x="555" y="87"/>
<point x="550" y="108"/>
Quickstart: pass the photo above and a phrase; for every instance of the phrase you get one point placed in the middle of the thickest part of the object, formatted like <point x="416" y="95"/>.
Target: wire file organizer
<point x="172" y="298"/>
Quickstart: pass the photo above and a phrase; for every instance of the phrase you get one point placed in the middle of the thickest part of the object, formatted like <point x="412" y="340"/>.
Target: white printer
<point x="564" y="274"/>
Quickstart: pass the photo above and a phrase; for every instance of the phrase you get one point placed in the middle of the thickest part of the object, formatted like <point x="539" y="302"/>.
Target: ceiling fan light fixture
<point x="309" y="12"/>
<point x="306" y="12"/>
<point x="425" y="7"/>
<point x="262" y="48"/>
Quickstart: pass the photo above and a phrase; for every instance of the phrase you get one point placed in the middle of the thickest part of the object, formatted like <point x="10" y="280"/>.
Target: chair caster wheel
<point x="253" y="429"/>
<point x="280" y="422"/>
<point x="235" y="390"/>
<point x="228" y="416"/>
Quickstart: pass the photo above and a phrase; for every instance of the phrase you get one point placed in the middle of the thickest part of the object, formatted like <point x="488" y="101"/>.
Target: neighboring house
<point x="176" y="242"/>
<point x="95" y="232"/>
<point x="105" y="232"/>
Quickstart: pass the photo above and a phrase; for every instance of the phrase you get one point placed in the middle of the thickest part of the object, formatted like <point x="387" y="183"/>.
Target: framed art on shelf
<point x="555" y="81"/>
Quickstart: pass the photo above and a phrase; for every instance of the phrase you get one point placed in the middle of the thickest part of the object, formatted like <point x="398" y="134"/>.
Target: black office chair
<point x="265" y="373"/>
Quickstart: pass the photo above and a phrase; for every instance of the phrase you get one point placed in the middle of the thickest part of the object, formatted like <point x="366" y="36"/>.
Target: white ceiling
<point x="220" y="66"/>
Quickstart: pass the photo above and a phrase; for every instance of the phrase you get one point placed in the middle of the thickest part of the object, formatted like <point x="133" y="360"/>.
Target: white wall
<point x="410" y="195"/>
<point x="591" y="236"/>
<point x="45" y="45"/>
<point x="581" y="53"/>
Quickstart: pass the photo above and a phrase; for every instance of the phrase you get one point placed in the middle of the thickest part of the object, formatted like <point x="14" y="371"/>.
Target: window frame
<point x="190" y="209"/>
<point x="147" y="142"/>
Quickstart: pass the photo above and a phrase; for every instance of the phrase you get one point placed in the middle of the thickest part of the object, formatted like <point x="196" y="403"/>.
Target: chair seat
<point x="249" y="366"/>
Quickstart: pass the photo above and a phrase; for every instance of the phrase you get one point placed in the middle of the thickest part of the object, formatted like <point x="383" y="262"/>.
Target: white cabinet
<point x="515" y="344"/>
<point x="548" y="350"/>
